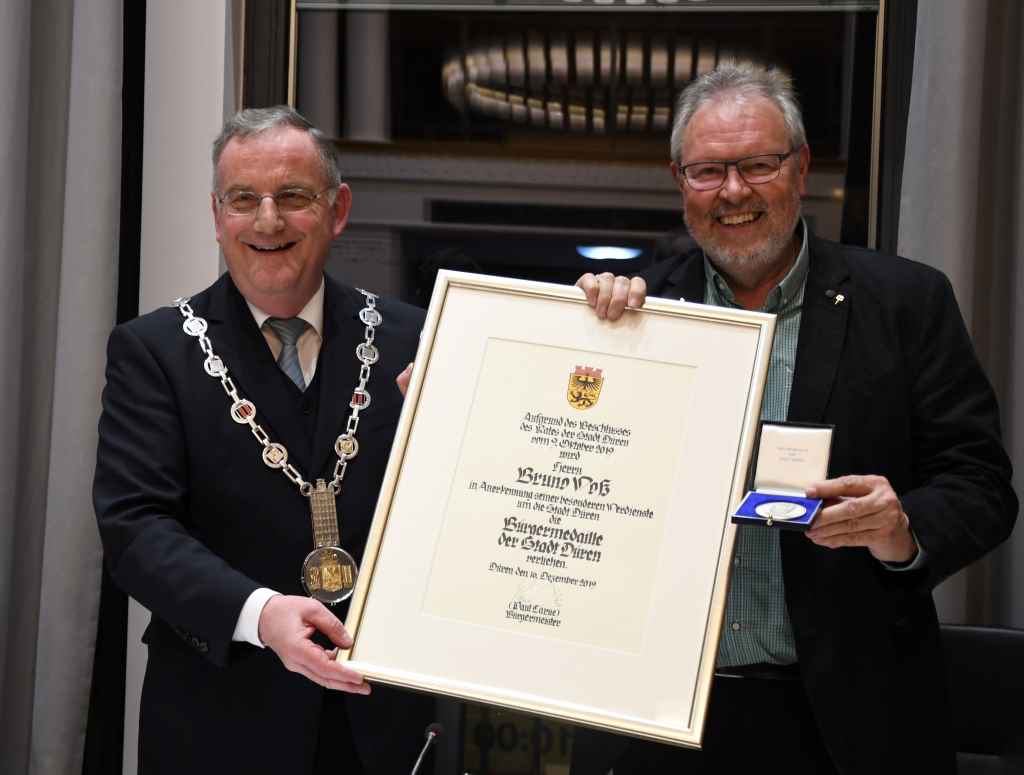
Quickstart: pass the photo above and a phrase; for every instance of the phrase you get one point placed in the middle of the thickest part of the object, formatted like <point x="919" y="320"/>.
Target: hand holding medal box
<point x="789" y="458"/>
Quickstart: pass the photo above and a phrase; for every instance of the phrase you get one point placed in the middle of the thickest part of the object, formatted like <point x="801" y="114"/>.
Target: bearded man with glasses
<point x="829" y="659"/>
<point x="243" y="441"/>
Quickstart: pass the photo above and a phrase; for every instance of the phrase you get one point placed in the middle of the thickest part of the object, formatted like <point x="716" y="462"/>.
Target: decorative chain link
<point x="243" y="411"/>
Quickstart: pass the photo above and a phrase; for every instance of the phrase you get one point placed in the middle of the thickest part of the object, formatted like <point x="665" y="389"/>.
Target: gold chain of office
<point x="329" y="572"/>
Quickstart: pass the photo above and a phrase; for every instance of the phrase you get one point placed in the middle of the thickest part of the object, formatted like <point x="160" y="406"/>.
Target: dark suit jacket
<point x="892" y="367"/>
<point x="192" y="522"/>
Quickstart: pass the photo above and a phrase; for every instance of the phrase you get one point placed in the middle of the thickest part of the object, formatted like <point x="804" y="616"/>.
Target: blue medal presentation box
<point x="777" y="510"/>
<point x="789" y="458"/>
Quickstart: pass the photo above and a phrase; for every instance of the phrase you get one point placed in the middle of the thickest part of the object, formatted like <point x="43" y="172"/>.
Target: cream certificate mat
<point x="556" y="494"/>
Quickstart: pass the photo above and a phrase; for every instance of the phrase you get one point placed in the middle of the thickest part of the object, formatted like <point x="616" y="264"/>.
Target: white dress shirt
<point x="247" y="626"/>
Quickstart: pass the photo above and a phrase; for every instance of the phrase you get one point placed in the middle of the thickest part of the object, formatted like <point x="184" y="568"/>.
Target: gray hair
<point x="742" y="80"/>
<point x="256" y="121"/>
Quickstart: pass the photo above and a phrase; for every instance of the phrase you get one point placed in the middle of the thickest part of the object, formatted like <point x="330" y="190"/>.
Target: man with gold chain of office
<point x="243" y="440"/>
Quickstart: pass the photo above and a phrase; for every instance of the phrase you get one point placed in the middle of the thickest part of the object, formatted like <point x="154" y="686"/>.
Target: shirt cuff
<point x="918" y="562"/>
<point x="247" y="629"/>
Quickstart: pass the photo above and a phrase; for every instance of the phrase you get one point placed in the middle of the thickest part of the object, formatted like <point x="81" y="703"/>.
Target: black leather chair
<point x="986" y="682"/>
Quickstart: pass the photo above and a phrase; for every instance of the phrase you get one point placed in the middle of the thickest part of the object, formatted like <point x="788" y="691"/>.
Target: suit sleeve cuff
<point x="919" y="561"/>
<point x="247" y="629"/>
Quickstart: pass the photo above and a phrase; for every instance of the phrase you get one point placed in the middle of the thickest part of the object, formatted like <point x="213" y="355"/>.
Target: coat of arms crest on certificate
<point x="584" y="387"/>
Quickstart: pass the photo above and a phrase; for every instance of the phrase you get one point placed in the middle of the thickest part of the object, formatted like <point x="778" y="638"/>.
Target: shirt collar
<point x="782" y="296"/>
<point x="312" y="313"/>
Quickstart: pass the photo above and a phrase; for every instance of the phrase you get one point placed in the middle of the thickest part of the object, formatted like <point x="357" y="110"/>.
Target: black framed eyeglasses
<point x="287" y="200"/>
<point x="754" y="170"/>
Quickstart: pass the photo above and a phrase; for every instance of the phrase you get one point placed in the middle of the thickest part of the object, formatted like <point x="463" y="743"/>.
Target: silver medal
<point x="780" y="510"/>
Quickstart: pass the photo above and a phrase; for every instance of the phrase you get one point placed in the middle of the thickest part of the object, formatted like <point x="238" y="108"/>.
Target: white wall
<point x="186" y="45"/>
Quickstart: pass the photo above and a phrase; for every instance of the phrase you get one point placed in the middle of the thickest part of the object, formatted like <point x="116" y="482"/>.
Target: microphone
<point x="433" y="731"/>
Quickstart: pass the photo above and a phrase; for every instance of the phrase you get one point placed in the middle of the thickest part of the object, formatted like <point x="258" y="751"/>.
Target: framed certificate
<point x="553" y="530"/>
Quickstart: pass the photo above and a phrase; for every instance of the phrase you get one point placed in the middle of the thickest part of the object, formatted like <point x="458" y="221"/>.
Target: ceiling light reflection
<point x="608" y="252"/>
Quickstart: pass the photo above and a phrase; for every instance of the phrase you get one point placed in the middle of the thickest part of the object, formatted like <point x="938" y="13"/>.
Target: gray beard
<point x="747" y="269"/>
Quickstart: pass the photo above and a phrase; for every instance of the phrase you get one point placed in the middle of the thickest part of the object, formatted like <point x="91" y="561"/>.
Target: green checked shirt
<point x="757" y="627"/>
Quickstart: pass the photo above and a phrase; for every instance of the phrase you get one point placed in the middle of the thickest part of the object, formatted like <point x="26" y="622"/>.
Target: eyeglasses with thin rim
<point x="287" y="200"/>
<point x="754" y="170"/>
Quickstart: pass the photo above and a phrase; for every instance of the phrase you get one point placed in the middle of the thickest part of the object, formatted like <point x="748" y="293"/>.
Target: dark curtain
<point x="898" y="75"/>
<point x="267" y="35"/>
<point x="104" y="737"/>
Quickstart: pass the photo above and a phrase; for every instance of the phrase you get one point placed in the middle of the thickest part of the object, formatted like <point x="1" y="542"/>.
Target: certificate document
<point x="553" y="532"/>
<point x="574" y="476"/>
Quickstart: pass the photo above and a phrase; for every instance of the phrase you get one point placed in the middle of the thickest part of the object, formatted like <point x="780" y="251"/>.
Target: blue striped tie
<point x="289" y="331"/>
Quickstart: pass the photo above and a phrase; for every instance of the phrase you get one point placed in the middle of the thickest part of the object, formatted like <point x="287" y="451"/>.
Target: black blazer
<point x="892" y="367"/>
<point x="192" y="522"/>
